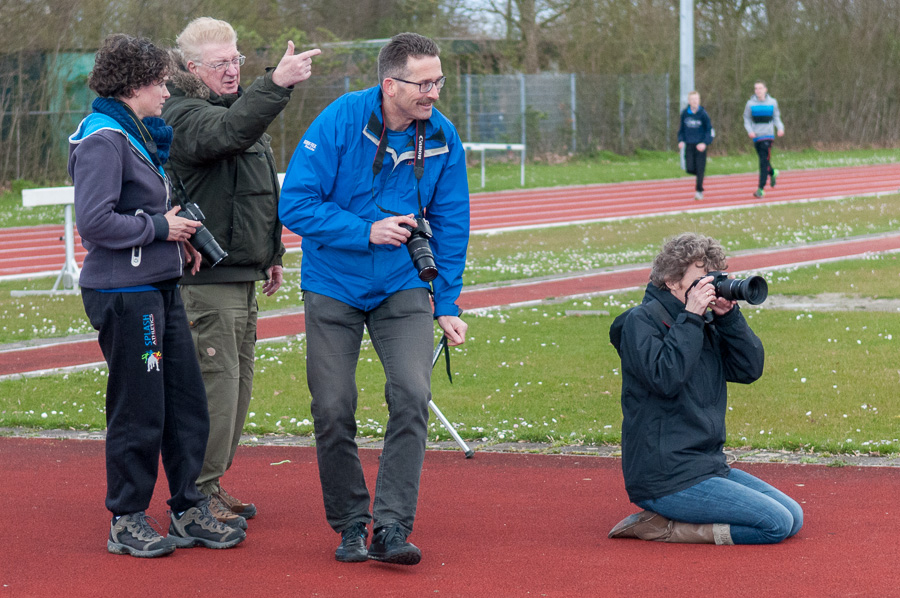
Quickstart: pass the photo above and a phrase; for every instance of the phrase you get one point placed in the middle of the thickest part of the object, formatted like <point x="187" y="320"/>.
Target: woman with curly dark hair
<point x="678" y="350"/>
<point x="137" y="249"/>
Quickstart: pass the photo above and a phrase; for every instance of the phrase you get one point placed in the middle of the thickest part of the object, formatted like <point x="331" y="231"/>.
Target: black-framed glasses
<point x="425" y="86"/>
<point x="237" y="61"/>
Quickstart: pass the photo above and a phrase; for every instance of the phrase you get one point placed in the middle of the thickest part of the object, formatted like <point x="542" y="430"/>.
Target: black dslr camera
<point x="420" y="249"/>
<point x="752" y="289"/>
<point x="202" y="240"/>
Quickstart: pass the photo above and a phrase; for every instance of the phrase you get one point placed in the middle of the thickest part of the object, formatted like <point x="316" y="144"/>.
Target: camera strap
<point x="380" y="129"/>
<point x="376" y="126"/>
<point x="179" y="189"/>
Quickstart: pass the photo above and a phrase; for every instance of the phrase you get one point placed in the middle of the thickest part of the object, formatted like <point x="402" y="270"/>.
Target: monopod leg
<point x="462" y="443"/>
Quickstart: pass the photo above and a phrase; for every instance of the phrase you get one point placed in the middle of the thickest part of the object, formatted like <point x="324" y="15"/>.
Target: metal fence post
<point x="668" y="116"/>
<point x="621" y="114"/>
<point x="524" y="126"/>
<point x="468" y="80"/>
<point x="574" y="115"/>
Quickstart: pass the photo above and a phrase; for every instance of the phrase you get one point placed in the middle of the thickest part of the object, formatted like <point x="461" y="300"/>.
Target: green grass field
<point x="540" y="374"/>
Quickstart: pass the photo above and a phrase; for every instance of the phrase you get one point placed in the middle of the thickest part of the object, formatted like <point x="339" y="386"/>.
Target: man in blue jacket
<point x="694" y="136"/>
<point x="371" y="164"/>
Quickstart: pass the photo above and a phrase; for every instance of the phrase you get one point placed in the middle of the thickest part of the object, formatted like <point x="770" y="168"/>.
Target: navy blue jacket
<point x="695" y="127"/>
<point x="674" y="396"/>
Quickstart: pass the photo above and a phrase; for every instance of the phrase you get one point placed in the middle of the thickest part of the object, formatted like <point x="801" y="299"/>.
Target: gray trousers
<point x="402" y="333"/>
<point x="223" y="326"/>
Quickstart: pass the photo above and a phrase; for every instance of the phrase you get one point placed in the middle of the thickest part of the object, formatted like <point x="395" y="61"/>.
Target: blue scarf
<point x="159" y="131"/>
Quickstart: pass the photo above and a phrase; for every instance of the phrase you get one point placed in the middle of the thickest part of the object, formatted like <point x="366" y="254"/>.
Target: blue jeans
<point x="402" y="333"/>
<point x="757" y="512"/>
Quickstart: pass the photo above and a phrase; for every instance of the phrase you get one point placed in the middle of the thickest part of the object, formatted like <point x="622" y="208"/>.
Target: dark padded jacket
<point x="222" y="153"/>
<point x="674" y="396"/>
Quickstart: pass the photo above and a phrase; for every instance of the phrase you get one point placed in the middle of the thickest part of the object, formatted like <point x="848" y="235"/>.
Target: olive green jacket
<point x="224" y="157"/>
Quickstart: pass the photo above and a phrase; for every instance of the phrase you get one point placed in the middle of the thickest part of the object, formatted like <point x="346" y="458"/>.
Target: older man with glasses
<point x="222" y="156"/>
<point x="365" y="175"/>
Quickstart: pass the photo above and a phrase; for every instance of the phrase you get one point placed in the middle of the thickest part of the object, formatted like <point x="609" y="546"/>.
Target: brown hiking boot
<point x="221" y="512"/>
<point x="648" y="525"/>
<point x="245" y="510"/>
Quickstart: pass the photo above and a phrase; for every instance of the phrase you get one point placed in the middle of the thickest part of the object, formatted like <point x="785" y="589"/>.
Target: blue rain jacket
<point x="331" y="199"/>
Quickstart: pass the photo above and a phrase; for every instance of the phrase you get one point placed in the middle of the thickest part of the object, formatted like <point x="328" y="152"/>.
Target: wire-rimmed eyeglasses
<point x="424" y="86"/>
<point x="237" y="61"/>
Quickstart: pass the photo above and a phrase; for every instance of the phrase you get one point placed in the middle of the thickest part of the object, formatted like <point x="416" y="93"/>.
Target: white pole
<point x="70" y="269"/>
<point x="686" y="80"/>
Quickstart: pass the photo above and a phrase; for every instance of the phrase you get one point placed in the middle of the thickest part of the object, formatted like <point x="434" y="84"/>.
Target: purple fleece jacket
<point x="121" y="199"/>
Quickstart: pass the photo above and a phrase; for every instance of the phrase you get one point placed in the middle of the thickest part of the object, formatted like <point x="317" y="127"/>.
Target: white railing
<point x="57" y="196"/>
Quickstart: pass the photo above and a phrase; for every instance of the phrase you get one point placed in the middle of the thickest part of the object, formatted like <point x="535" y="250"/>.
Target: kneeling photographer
<point x="678" y="349"/>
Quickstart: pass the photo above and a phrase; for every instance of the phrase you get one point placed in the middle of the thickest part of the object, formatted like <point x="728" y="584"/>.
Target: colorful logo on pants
<point x="149" y="324"/>
<point x="152" y="358"/>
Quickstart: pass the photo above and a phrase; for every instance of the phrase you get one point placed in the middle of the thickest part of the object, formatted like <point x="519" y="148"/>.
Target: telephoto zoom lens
<point x="423" y="259"/>
<point x="420" y="250"/>
<point x="752" y="289"/>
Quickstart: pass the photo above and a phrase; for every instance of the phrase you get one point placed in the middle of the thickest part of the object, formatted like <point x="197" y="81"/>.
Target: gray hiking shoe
<point x="132" y="534"/>
<point x="198" y="527"/>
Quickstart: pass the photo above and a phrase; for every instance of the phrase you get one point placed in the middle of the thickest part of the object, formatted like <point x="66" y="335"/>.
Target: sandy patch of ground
<point x="829" y="302"/>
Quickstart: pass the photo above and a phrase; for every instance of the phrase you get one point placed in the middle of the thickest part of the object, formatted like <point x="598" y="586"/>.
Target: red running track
<point x="18" y="359"/>
<point x="40" y="249"/>
<point x="497" y="525"/>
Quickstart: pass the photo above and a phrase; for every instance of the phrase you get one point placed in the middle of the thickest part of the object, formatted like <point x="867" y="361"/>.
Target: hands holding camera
<point x="181" y="229"/>
<point x="703" y="296"/>
<point x="390" y="232"/>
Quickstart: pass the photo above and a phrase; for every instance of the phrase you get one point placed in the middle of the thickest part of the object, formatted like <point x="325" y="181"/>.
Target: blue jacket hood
<point x="95" y="122"/>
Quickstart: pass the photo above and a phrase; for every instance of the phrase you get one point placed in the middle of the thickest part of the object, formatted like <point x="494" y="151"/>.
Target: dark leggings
<point x="764" y="151"/>
<point x="695" y="163"/>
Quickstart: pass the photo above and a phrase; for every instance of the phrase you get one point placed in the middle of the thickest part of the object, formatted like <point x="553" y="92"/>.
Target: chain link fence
<point x="552" y="114"/>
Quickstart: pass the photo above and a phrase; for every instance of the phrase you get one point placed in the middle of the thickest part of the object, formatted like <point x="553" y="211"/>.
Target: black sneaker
<point x="198" y="527"/>
<point x="353" y="544"/>
<point x="389" y="545"/>
<point x="132" y="534"/>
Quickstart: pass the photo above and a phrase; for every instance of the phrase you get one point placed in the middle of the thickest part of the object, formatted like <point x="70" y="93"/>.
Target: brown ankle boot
<point x="645" y="521"/>
<point x="698" y="533"/>
<point x="654" y="527"/>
